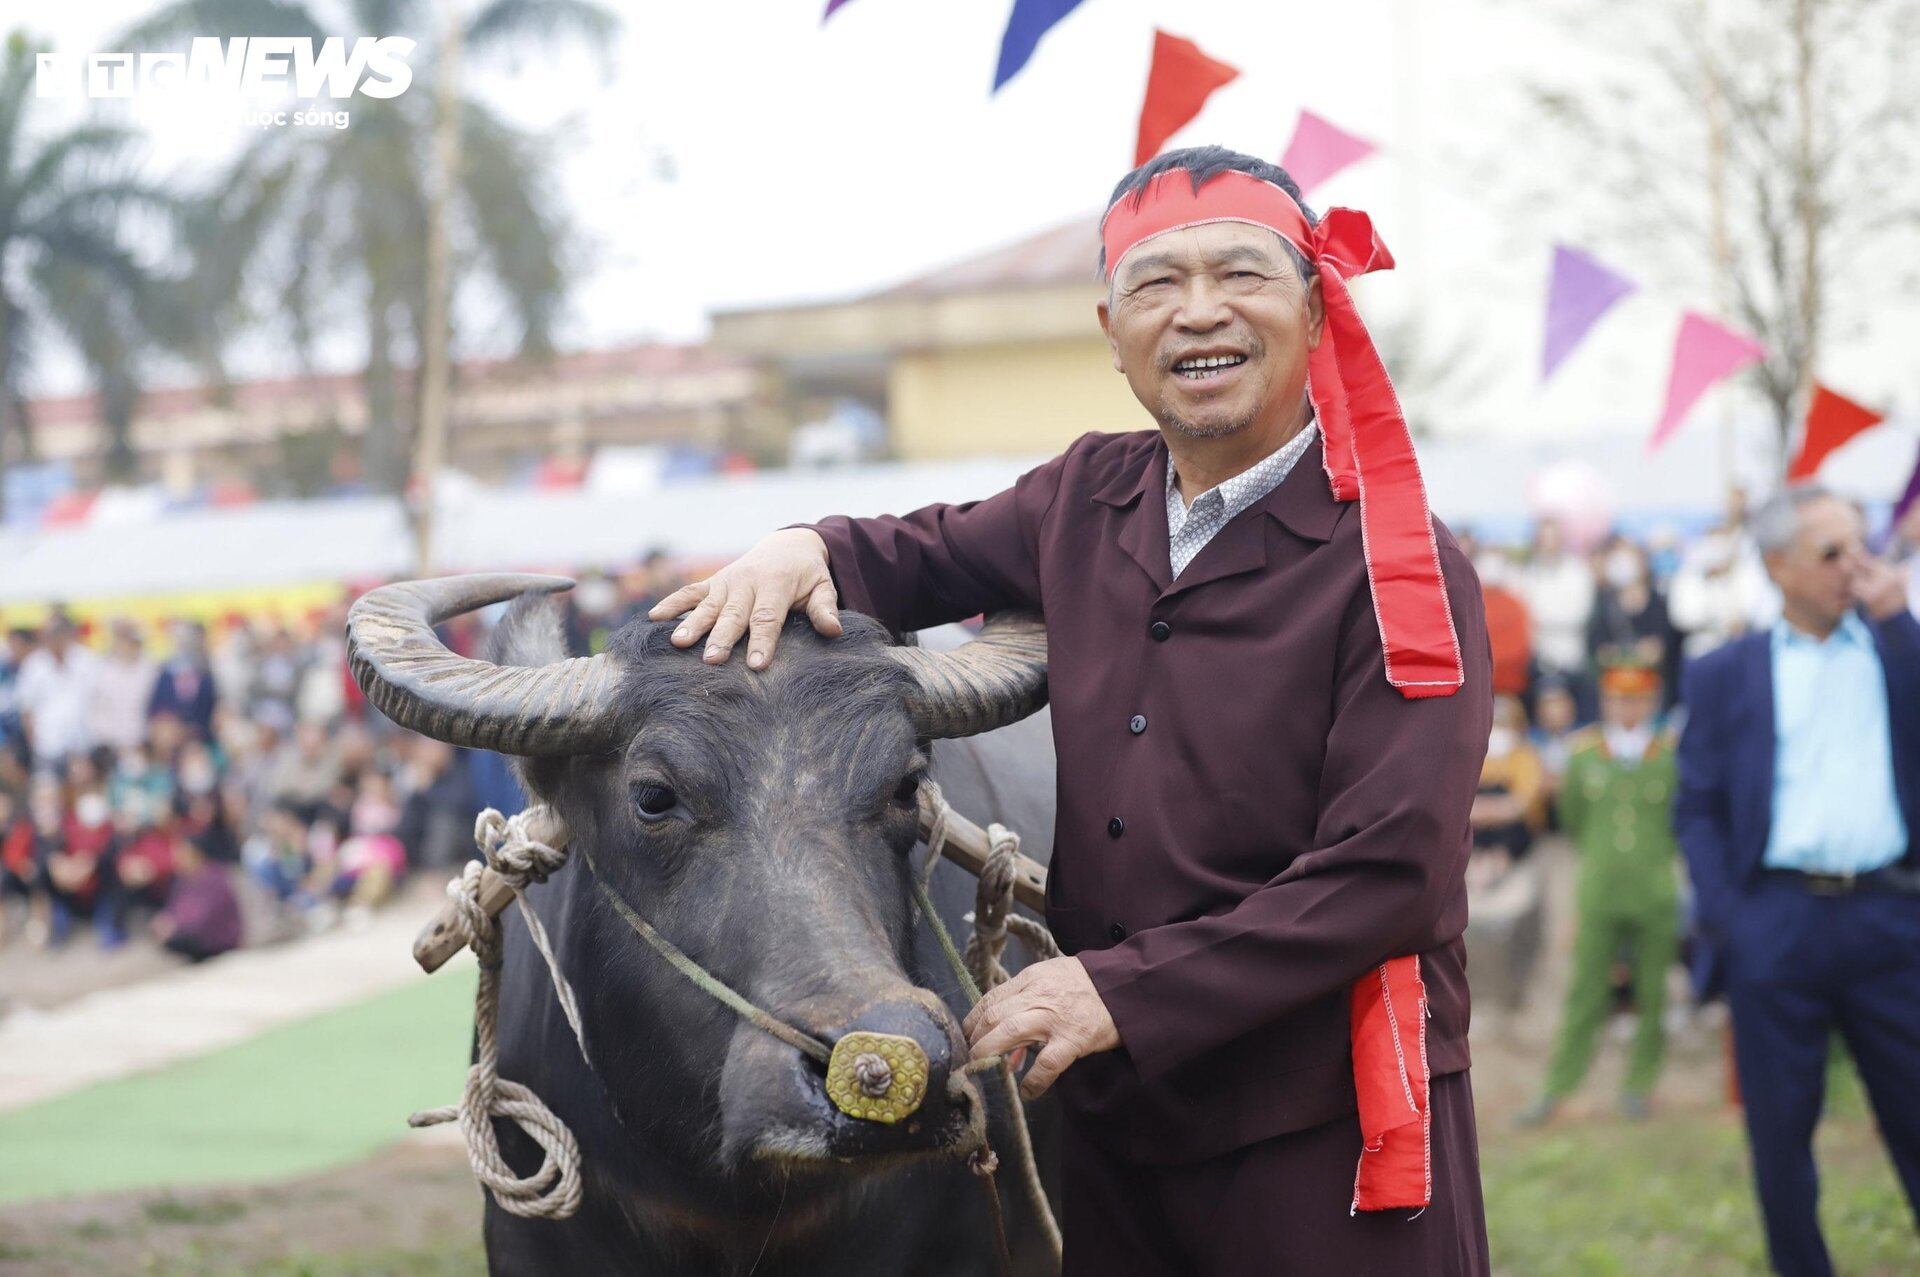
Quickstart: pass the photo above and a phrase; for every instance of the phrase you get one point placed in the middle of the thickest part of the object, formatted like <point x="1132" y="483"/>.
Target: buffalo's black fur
<point x="783" y="868"/>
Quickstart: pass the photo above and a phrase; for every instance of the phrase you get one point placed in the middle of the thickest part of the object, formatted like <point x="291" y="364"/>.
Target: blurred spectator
<point x="1510" y="808"/>
<point x="1552" y="737"/>
<point x="1799" y="799"/>
<point x="305" y="770"/>
<point x="19" y="646"/>
<point x="589" y="613"/>
<point x="231" y="661"/>
<point x="276" y="857"/>
<point x="1617" y="807"/>
<point x="19" y="875"/>
<point x="56" y="695"/>
<point x="1509" y="628"/>
<point x="1720" y="591"/>
<point x="185" y="688"/>
<point x="122" y="690"/>
<point x="202" y="917"/>
<point x="436" y="821"/>
<point x="275" y="685"/>
<point x="1629" y="621"/>
<point x="77" y="864"/>
<point x="322" y="694"/>
<point x="1558" y="588"/>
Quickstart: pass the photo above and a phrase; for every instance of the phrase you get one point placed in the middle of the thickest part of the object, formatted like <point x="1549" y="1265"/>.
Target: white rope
<point x="553" y="1191"/>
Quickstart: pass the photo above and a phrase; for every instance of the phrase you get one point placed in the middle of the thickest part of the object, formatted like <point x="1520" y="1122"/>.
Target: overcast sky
<point x="813" y="162"/>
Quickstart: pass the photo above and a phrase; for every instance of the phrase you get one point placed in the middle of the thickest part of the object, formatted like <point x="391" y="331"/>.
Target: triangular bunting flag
<point x="1831" y="420"/>
<point x="1319" y="150"/>
<point x="1178" y="85"/>
<point x="1704" y="353"/>
<point x="831" y="6"/>
<point x="1907" y="498"/>
<point x="1581" y="291"/>
<point x="1031" y="19"/>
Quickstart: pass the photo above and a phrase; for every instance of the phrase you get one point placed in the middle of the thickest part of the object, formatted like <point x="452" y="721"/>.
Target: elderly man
<point x="1269" y="674"/>
<point x="1799" y="794"/>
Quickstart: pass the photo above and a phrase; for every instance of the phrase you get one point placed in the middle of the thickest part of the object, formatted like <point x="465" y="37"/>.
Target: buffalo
<point x="766" y="822"/>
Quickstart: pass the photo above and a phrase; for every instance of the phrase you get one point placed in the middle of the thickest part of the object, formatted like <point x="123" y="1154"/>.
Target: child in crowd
<point x="202" y="917"/>
<point x="1509" y="809"/>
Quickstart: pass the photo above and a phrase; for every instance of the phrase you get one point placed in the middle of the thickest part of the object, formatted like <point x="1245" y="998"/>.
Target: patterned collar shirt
<point x="1190" y="527"/>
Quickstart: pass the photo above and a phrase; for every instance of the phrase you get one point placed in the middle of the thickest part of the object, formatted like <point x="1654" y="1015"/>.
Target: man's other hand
<point x="753" y="595"/>
<point x="1052" y="1004"/>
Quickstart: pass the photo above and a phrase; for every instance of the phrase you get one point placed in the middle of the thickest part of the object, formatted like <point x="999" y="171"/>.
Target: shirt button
<point x="1137" y="724"/>
<point x="1118" y="931"/>
<point x="1116" y="827"/>
<point x="1161" y="631"/>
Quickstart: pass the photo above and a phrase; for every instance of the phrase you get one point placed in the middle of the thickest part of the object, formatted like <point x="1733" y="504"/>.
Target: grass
<point x="1674" y="1198"/>
<point x="321" y="1093"/>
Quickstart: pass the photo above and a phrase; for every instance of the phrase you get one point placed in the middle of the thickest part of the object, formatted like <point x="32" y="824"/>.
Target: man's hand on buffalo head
<point x="753" y="595"/>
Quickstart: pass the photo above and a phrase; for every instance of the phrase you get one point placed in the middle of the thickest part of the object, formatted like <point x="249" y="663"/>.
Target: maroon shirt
<point x="1250" y="816"/>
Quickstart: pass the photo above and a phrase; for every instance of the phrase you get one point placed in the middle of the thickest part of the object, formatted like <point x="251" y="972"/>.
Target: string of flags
<point x="1581" y="289"/>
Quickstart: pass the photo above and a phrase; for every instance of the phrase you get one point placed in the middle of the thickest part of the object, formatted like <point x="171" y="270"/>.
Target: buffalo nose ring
<point x="880" y="1077"/>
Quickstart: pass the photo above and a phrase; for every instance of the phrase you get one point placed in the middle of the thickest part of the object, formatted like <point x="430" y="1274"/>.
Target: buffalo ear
<point x="530" y="633"/>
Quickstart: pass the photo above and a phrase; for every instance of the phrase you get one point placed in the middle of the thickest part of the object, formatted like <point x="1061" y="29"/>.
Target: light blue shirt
<point x="1835" y="808"/>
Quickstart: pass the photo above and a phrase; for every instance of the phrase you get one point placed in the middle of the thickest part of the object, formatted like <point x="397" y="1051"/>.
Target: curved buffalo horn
<point x="411" y="676"/>
<point x="998" y="678"/>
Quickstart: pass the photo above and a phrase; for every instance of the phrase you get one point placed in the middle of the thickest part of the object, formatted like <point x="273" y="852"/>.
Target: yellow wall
<point x="1024" y="399"/>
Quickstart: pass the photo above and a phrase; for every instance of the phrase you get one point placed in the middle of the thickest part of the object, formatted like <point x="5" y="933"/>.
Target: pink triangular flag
<point x="1704" y="353"/>
<point x="1319" y="150"/>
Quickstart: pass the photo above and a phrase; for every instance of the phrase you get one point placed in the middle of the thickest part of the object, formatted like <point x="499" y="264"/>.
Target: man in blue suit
<point x="1799" y="798"/>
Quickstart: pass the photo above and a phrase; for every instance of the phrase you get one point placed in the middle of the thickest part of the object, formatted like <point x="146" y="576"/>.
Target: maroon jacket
<point x="1250" y="816"/>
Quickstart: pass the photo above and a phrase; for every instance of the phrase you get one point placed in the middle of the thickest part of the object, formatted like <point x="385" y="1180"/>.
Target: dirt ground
<point x="413" y="1209"/>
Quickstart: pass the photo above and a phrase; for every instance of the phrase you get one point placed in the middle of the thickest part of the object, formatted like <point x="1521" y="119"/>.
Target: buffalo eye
<point x="907" y="793"/>
<point x="654" y="801"/>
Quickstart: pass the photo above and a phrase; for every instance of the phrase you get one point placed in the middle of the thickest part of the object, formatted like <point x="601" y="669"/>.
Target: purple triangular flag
<point x="831" y="6"/>
<point x="1582" y="290"/>
<point x="1907" y="498"/>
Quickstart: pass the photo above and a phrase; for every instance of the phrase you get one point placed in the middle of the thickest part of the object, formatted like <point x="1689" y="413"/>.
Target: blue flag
<point x="1031" y="19"/>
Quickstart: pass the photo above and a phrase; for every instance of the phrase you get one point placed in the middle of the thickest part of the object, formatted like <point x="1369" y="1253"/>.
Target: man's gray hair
<point x="1776" y="524"/>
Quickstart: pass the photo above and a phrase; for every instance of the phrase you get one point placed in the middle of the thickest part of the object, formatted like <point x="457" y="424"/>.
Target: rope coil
<point x="553" y="1191"/>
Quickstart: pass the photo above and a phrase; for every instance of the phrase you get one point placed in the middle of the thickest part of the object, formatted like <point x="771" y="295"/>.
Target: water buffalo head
<point x="761" y="820"/>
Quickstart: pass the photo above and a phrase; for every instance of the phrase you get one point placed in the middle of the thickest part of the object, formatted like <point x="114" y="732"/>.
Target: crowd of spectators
<point x="176" y="782"/>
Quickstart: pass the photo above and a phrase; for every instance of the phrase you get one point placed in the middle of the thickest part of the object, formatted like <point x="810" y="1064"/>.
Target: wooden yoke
<point x="967" y="846"/>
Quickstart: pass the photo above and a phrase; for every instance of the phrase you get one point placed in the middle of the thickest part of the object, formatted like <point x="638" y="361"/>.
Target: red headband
<point x="1368" y="453"/>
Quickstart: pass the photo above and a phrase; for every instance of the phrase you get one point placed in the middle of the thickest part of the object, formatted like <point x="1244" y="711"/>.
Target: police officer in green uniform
<point x="1616" y="805"/>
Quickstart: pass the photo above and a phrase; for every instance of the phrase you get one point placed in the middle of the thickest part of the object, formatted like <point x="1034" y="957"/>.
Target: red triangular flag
<point x="1320" y="149"/>
<point x="1831" y="421"/>
<point x="1178" y="85"/>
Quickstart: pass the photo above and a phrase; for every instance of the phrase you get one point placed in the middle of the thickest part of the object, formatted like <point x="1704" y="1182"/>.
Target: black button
<point x="1116" y="827"/>
<point x="1118" y="931"/>
<point x="1137" y="724"/>
<point x="1161" y="631"/>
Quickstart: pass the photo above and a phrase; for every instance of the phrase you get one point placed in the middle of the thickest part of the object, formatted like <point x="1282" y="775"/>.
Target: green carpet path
<point x="298" y="1099"/>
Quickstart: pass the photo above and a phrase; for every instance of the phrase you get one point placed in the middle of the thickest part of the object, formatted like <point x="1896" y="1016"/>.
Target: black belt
<point x="1889" y="880"/>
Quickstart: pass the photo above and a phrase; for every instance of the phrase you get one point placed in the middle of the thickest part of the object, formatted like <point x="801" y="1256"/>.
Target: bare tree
<point x="1753" y="154"/>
